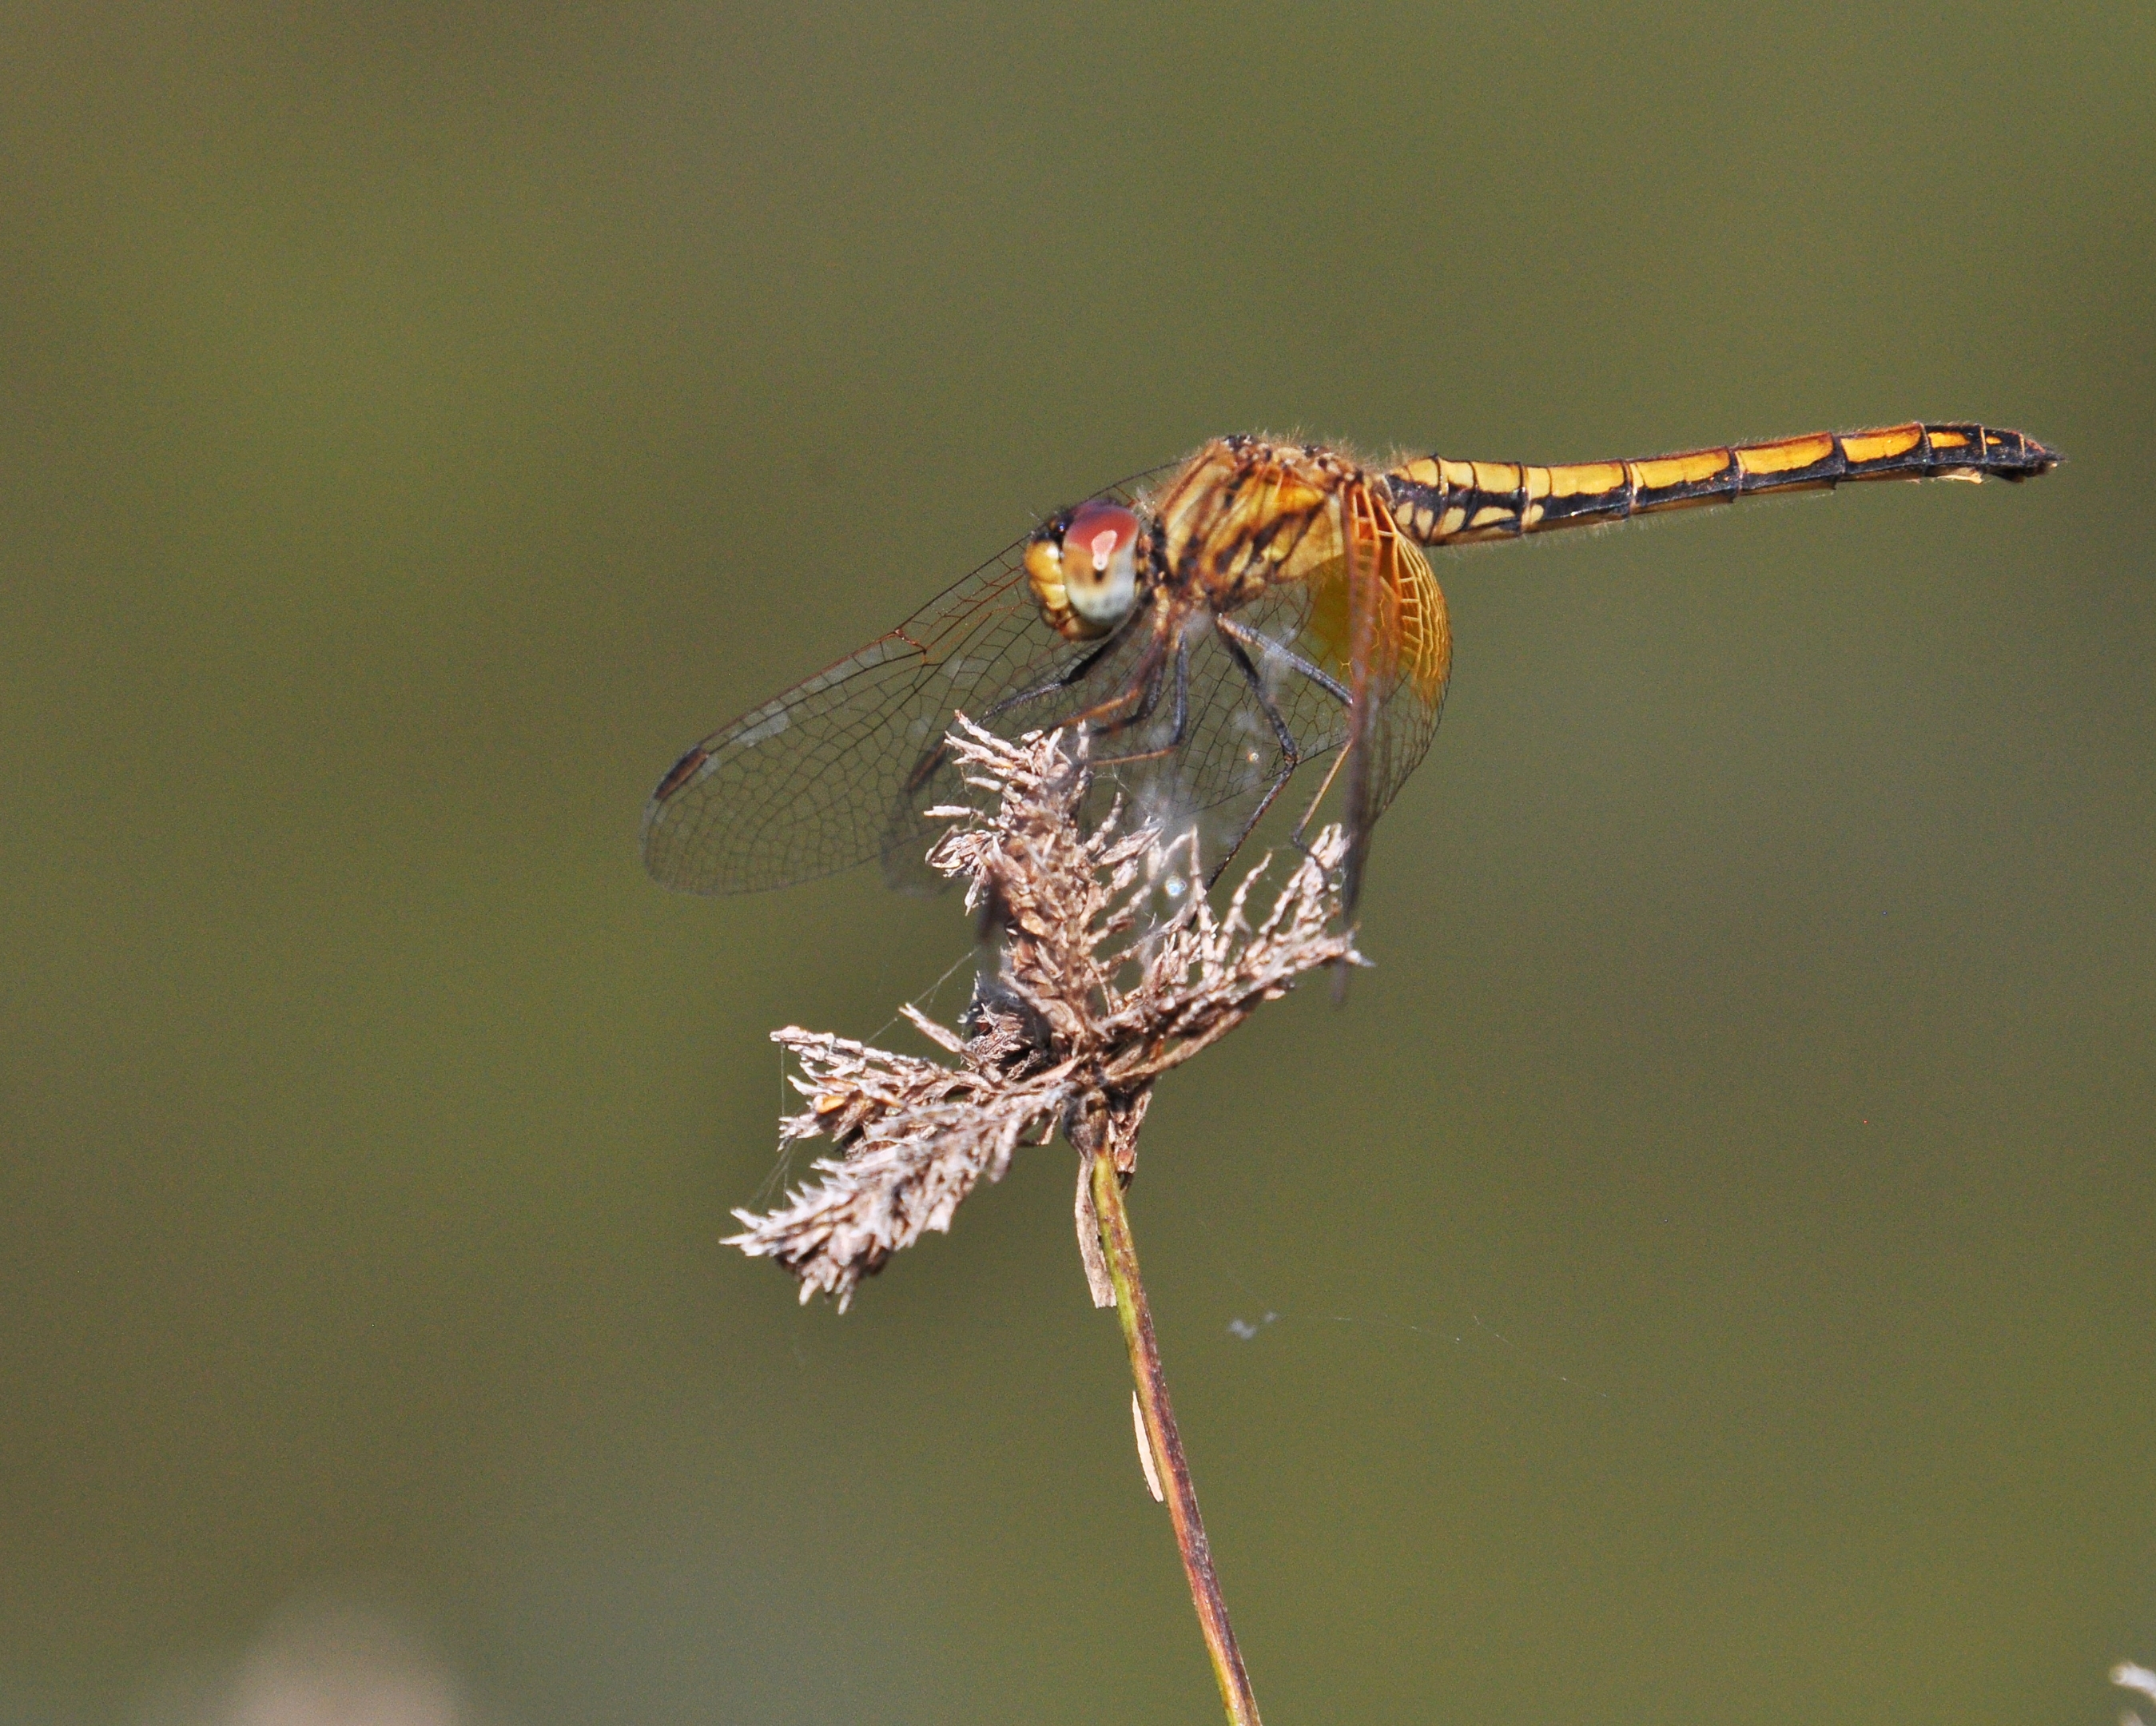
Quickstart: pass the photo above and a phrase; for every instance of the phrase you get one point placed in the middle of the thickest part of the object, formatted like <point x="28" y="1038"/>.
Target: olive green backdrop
<point x="1711" y="1254"/>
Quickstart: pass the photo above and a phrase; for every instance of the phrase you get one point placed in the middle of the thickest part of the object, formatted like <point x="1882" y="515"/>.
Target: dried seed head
<point x="1093" y="999"/>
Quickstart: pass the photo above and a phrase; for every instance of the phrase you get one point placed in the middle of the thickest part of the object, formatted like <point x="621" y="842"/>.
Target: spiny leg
<point x="1302" y="827"/>
<point x="1074" y="672"/>
<point x="1237" y="641"/>
<point x="934" y="756"/>
<point x="1240" y="637"/>
<point x="1180" y="711"/>
<point x="1288" y="656"/>
<point x="1134" y="703"/>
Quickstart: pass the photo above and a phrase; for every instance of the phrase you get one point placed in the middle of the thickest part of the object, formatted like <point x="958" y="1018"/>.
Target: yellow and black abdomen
<point x="1442" y="502"/>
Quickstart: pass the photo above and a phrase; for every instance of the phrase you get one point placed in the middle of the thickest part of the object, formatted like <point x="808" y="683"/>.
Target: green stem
<point x="1159" y="1416"/>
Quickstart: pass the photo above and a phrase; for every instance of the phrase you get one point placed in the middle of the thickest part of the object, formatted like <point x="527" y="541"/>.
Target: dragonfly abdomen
<point x="1443" y="502"/>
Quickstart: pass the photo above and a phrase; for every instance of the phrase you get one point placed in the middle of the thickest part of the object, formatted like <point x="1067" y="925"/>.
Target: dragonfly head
<point x="1083" y="566"/>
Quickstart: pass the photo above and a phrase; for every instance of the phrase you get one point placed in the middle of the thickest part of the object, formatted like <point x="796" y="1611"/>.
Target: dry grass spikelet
<point x="1113" y="968"/>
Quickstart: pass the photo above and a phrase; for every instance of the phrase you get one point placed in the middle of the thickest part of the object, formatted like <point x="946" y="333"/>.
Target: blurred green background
<point x="1711" y="1255"/>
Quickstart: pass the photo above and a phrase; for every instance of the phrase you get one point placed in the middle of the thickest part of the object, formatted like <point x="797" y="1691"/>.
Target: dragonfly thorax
<point x="1248" y="514"/>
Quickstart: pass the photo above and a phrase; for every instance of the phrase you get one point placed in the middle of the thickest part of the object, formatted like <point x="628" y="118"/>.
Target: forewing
<point x="838" y="768"/>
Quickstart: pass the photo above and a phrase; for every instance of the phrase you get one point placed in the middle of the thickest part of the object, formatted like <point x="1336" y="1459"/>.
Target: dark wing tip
<point x="668" y="859"/>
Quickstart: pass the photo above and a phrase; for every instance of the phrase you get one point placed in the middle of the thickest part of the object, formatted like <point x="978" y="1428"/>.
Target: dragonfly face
<point x="1213" y="626"/>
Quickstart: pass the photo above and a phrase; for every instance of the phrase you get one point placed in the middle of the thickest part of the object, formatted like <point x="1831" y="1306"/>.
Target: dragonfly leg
<point x="1145" y="688"/>
<point x="1108" y="727"/>
<point x="1137" y="700"/>
<point x="1333" y="772"/>
<point x="1236" y="640"/>
<point x="1238" y="636"/>
<point x="937" y="753"/>
<point x="1100" y="727"/>
<point x="1288" y="656"/>
<point x="1074" y="672"/>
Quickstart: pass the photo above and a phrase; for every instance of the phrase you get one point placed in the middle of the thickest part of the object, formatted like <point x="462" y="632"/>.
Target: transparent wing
<point x="1400" y="658"/>
<point x="1233" y="757"/>
<point x="1301" y="647"/>
<point x="838" y="768"/>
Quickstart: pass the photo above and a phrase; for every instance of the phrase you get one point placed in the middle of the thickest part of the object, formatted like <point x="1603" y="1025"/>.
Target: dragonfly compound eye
<point x="1085" y="573"/>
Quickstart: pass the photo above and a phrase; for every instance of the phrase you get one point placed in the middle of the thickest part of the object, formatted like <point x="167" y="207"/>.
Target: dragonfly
<point x="1211" y="627"/>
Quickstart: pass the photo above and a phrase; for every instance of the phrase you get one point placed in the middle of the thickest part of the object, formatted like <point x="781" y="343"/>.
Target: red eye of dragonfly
<point x="1098" y="530"/>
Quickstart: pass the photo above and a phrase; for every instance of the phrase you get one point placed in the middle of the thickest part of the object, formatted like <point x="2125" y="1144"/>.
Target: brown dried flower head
<point x="1096" y="995"/>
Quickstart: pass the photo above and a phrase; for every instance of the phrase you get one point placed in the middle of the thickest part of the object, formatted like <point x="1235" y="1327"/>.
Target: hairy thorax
<point x="1245" y="514"/>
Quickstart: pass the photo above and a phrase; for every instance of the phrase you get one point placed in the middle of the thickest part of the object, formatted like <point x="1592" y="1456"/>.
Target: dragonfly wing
<point x="1018" y="695"/>
<point x="1303" y="651"/>
<point x="1415" y="665"/>
<point x="812" y="781"/>
<point x="1400" y="657"/>
<point x="1233" y="753"/>
<point x="839" y="768"/>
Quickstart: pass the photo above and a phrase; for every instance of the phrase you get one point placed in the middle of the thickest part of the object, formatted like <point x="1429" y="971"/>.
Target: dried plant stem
<point x="1159" y="1416"/>
<point x="1104" y="984"/>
